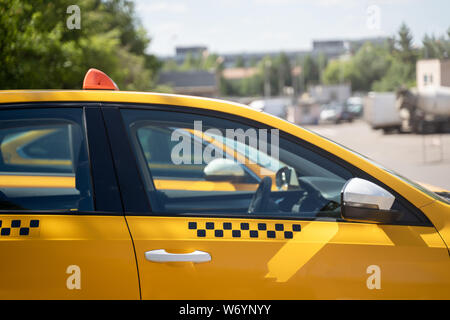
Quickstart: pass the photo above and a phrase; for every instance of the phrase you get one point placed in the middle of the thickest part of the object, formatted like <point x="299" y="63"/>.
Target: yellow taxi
<point x="107" y="194"/>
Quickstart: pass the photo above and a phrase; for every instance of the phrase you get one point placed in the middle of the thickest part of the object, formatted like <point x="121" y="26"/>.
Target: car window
<point x="52" y="145"/>
<point x="157" y="146"/>
<point x="43" y="160"/>
<point x="201" y="164"/>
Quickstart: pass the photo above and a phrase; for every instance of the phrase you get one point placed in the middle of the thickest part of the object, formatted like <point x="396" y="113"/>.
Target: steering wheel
<point x="314" y="201"/>
<point x="260" y="199"/>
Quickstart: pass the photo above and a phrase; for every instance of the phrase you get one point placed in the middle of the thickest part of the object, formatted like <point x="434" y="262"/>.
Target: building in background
<point x="432" y="73"/>
<point x="238" y="69"/>
<point x="331" y="48"/>
<point x="194" y="82"/>
<point x="181" y="53"/>
<point x="355" y="45"/>
<point x="248" y="58"/>
<point x="238" y="73"/>
<point x="305" y="111"/>
<point x="338" y="93"/>
<point x="196" y="51"/>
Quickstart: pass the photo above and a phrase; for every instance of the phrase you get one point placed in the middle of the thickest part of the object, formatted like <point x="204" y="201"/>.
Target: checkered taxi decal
<point x="244" y="230"/>
<point x="19" y="227"/>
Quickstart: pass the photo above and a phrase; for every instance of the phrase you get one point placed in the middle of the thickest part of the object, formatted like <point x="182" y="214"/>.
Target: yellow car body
<point x="326" y="260"/>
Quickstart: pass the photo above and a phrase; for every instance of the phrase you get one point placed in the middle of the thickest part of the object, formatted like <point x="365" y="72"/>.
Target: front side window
<point x="200" y="164"/>
<point x="43" y="160"/>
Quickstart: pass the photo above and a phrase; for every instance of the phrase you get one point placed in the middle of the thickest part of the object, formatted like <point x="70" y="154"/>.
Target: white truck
<point x="380" y="111"/>
<point x="425" y="111"/>
<point x="274" y="106"/>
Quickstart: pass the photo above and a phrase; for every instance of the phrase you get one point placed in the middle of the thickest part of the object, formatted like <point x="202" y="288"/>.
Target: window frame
<point x="355" y="171"/>
<point x="101" y="169"/>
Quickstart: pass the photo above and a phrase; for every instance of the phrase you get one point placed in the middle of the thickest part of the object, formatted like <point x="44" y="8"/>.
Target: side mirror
<point x="365" y="201"/>
<point x="223" y="170"/>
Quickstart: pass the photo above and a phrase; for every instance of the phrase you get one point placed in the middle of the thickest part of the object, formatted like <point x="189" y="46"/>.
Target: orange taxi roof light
<point x="98" y="80"/>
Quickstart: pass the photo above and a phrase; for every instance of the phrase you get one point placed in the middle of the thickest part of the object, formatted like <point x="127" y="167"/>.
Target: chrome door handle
<point x="162" y="255"/>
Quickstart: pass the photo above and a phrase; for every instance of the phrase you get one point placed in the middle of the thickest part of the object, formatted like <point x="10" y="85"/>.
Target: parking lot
<point x="421" y="158"/>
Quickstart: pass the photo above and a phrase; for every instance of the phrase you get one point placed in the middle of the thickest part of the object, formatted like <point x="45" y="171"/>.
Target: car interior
<point x="298" y="187"/>
<point x="57" y="153"/>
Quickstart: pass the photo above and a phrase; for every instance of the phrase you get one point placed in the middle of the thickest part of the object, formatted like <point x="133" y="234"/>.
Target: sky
<point x="239" y="26"/>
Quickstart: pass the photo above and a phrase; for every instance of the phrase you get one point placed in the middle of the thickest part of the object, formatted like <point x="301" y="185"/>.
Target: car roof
<point x="24" y="96"/>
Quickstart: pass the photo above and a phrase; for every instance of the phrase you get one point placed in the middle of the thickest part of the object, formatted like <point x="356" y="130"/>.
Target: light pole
<point x="267" y="65"/>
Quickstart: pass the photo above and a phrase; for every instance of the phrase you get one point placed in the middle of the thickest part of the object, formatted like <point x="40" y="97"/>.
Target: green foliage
<point x="339" y="72"/>
<point x="310" y="71"/>
<point x="39" y="51"/>
<point x="252" y="86"/>
<point x="210" y="62"/>
<point x="387" y="67"/>
<point x="239" y="63"/>
<point x="436" y="48"/>
<point x="322" y="62"/>
<point x="191" y="63"/>
<point x="283" y="67"/>
<point x="170" y="65"/>
<point x="398" y="75"/>
<point x="369" y="64"/>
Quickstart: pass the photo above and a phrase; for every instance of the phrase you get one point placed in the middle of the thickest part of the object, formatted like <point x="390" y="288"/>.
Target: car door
<point x="63" y="234"/>
<point x="290" y="243"/>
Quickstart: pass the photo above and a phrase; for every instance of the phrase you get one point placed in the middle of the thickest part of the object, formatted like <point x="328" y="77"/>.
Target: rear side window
<point x="44" y="161"/>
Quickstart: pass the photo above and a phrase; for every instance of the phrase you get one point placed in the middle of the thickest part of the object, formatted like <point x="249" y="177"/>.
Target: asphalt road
<point x="421" y="158"/>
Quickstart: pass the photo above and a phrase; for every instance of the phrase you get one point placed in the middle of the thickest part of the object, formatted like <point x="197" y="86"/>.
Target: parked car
<point x="355" y="106"/>
<point x="146" y="205"/>
<point x="274" y="106"/>
<point x="335" y="113"/>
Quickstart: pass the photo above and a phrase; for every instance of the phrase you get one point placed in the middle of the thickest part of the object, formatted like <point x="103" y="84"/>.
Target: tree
<point x="35" y="41"/>
<point x="189" y="63"/>
<point x="239" y="63"/>
<point x="381" y="68"/>
<point x="310" y="71"/>
<point x="253" y="62"/>
<point x="402" y="64"/>
<point x="321" y="64"/>
<point x="369" y="64"/>
<point x="436" y="48"/>
<point x="338" y="72"/>
<point x="170" y="65"/>
<point x="283" y="66"/>
<point x="212" y="62"/>
<point x="405" y="51"/>
<point x="405" y="38"/>
<point x="397" y="76"/>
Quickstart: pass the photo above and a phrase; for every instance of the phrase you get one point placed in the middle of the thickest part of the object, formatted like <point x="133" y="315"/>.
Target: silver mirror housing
<point x="365" y="201"/>
<point x="223" y="169"/>
<point x="364" y="193"/>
